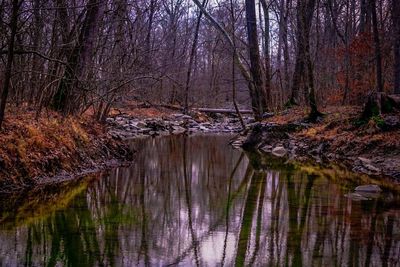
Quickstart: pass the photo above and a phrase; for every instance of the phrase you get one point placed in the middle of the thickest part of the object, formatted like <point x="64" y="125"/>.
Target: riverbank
<point x="35" y="152"/>
<point x="51" y="149"/>
<point x="371" y="148"/>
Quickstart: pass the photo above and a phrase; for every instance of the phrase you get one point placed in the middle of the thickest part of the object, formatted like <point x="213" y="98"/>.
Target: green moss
<point x="378" y="121"/>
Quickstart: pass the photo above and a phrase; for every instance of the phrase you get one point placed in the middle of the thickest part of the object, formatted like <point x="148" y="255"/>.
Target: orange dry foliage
<point x="338" y="129"/>
<point x="29" y="147"/>
<point x="361" y="75"/>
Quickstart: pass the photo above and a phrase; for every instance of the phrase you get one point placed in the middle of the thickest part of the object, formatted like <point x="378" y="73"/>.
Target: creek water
<point x="195" y="201"/>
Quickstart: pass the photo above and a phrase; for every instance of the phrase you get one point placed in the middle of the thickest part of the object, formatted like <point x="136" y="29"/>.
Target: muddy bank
<point x="366" y="149"/>
<point x="35" y="152"/>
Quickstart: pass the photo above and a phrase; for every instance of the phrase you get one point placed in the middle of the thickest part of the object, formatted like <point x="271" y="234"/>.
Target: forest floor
<point x="366" y="147"/>
<point x="53" y="149"/>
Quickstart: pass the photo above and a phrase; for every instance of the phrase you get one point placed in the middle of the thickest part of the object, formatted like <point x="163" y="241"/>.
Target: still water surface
<point x="195" y="201"/>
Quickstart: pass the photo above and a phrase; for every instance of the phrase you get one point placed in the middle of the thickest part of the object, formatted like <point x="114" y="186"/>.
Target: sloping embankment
<point x="50" y="149"/>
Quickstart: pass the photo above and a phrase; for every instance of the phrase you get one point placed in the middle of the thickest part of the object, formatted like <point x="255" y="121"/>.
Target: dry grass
<point x="338" y="128"/>
<point x="345" y="140"/>
<point x="30" y="147"/>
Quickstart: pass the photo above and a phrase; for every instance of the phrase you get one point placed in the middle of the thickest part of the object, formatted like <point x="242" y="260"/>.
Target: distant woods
<point x="76" y="56"/>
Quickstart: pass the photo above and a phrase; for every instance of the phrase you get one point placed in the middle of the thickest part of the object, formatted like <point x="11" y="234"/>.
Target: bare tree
<point x="396" y="44"/>
<point x="303" y="76"/>
<point x="267" y="64"/>
<point x="378" y="55"/>
<point x="259" y="95"/>
<point x="254" y="79"/>
<point x="191" y="57"/>
<point x="65" y="98"/>
<point x="10" y="57"/>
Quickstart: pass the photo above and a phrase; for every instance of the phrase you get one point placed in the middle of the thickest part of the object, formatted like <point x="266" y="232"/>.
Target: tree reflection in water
<point x="195" y="201"/>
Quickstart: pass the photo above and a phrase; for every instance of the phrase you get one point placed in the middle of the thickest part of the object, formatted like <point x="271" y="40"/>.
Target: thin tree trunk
<point x="286" y="58"/>
<point x="35" y="67"/>
<point x="149" y="29"/>
<point x="396" y="44"/>
<point x="266" y="52"/>
<point x="254" y="54"/>
<point x="234" y="69"/>
<point x="10" y="57"/>
<point x="303" y="76"/>
<point x="65" y="97"/>
<point x="299" y="68"/>
<point x="363" y="15"/>
<point x="378" y="56"/>
<point x="191" y="58"/>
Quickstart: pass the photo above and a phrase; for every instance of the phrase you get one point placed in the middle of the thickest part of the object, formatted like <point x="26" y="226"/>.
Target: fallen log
<point x="223" y="111"/>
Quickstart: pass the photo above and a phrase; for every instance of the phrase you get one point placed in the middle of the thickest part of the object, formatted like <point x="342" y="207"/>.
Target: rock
<point x="145" y="130"/>
<point x="266" y="148"/>
<point x="364" y="160"/>
<point x="178" y="115"/>
<point x="356" y="197"/>
<point x="254" y="138"/>
<point x="367" y="164"/>
<point x="391" y="123"/>
<point x="372" y="168"/>
<point x="186" y="117"/>
<point x="178" y="129"/>
<point x="279" y="151"/>
<point x="368" y="188"/>
<point x="249" y="120"/>
<point x="141" y="124"/>
<point x="267" y="115"/>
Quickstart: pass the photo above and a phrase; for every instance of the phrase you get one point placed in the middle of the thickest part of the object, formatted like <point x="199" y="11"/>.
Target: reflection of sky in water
<point x="216" y="246"/>
<point x="196" y="201"/>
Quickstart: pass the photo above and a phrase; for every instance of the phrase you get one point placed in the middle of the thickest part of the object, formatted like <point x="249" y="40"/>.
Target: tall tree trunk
<point x="65" y="98"/>
<point x="35" y="64"/>
<point x="363" y="15"/>
<point x="299" y="68"/>
<point x="152" y="11"/>
<point x="254" y="54"/>
<point x="378" y="55"/>
<point x="396" y="44"/>
<point x="10" y="57"/>
<point x="286" y="58"/>
<point x="303" y="76"/>
<point x="191" y="58"/>
<point x="235" y="104"/>
<point x="254" y="92"/>
<point x="266" y="52"/>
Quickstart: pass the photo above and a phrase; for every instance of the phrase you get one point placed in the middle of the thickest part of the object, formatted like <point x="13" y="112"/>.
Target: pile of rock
<point x="125" y="126"/>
